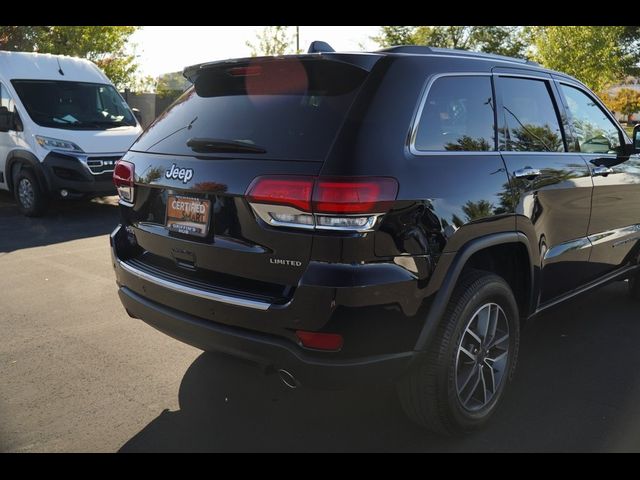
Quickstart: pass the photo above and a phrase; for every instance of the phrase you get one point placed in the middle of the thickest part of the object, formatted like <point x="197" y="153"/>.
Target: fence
<point x="150" y="104"/>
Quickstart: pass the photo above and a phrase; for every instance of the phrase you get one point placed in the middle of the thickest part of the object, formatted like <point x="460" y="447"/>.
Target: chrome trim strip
<point x="264" y="210"/>
<point x="622" y="235"/>
<point x="83" y="156"/>
<point x="562" y="248"/>
<point x="176" y="287"/>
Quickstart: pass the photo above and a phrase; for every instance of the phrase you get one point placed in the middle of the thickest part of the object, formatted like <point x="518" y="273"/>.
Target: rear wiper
<point x="214" y="145"/>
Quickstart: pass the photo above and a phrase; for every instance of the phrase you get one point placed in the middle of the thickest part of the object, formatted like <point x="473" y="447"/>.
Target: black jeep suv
<point x="341" y="218"/>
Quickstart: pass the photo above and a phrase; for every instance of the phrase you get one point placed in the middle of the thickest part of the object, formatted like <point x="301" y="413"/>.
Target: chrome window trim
<point x="543" y="76"/>
<point x="196" y="292"/>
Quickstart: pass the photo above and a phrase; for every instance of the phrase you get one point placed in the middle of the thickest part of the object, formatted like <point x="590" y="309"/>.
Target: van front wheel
<point x="30" y="197"/>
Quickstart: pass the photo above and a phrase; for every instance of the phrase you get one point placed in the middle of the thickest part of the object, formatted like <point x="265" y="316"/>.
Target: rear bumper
<point x="263" y="332"/>
<point x="266" y="350"/>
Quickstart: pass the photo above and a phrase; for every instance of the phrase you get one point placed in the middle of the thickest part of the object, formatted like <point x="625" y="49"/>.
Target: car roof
<point x="39" y="66"/>
<point x="495" y="59"/>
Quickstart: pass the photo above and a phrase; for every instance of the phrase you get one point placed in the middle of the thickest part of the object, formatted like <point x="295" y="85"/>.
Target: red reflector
<point x="123" y="174"/>
<point x="245" y="71"/>
<point x="353" y="195"/>
<point x="321" y="341"/>
<point x="282" y="190"/>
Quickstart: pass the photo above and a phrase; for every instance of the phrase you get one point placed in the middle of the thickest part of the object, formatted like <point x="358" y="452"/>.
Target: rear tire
<point x="461" y="380"/>
<point x="28" y="194"/>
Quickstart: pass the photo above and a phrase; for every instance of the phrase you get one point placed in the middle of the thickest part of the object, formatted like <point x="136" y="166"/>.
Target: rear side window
<point x="530" y="118"/>
<point x="457" y="115"/>
<point x="288" y="109"/>
<point x="595" y="132"/>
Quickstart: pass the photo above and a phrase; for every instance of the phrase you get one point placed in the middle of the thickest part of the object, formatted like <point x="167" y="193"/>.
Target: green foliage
<point x="503" y="40"/>
<point x="104" y="45"/>
<point x="596" y="55"/>
<point x="395" y="35"/>
<point x="171" y="85"/>
<point x="477" y="210"/>
<point x="19" y="38"/>
<point x="273" y="40"/>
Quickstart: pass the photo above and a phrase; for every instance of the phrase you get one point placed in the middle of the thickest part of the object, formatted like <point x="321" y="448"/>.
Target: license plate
<point x="188" y="215"/>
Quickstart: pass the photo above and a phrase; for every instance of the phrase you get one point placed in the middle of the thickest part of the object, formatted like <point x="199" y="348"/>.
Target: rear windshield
<point x="280" y="108"/>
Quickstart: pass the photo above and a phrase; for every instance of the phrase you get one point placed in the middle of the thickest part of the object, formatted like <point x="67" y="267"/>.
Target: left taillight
<point x="123" y="179"/>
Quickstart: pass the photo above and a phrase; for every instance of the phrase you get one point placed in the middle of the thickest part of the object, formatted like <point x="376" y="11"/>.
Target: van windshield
<point x="73" y="105"/>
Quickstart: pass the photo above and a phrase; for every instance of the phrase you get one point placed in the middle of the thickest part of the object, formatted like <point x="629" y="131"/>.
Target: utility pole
<point x="297" y="39"/>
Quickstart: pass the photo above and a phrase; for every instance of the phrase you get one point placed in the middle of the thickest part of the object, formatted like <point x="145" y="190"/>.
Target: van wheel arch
<point x="19" y="159"/>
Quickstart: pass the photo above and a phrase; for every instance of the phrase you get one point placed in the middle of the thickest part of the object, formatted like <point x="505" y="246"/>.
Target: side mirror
<point x="636" y="137"/>
<point x="137" y="114"/>
<point x="7" y="120"/>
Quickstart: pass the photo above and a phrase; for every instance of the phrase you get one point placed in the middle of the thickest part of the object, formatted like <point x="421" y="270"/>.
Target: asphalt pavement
<point x="78" y="375"/>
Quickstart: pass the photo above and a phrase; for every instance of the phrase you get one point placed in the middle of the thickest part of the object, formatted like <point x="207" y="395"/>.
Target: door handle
<point x="527" y="172"/>
<point x="601" y="171"/>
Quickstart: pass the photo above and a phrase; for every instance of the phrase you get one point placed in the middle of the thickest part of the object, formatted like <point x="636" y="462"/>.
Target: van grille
<point x="99" y="165"/>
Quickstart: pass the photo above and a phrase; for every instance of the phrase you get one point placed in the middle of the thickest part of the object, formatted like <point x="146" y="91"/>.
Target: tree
<point x="272" y="41"/>
<point x="503" y="40"/>
<point x="19" y="38"/>
<point x="104" y="45"/>
<point x="596" y="55"/>
<point x="625" y="101"/>
<point x="395" y="35"/>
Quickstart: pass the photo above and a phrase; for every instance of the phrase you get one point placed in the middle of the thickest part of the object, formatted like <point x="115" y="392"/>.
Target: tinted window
<point x="457" y="115"/>
<point x="285" y="109"/>
<point x="595" y="132"/>
<point x="73" y="105"/>
<point x="531" y="122"/>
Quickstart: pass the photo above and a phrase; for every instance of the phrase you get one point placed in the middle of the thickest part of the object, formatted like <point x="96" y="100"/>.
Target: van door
<point x="614" y="229"/>
<point x="551" y="186"/>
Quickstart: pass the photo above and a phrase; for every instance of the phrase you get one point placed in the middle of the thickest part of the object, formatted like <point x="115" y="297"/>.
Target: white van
<point x="63" y="125"/>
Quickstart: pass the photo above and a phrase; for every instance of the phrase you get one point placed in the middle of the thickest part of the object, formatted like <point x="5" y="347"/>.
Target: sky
<point x="169" y="49"/>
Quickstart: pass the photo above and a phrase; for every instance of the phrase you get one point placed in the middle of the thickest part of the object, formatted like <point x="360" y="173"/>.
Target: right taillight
<point x="123" y="179"/>
<point x="323" y="203"/>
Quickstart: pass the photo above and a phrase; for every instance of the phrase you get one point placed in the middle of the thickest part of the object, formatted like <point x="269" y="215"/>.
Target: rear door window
<point x="457" y="115"/>
<point x="280" y="108"/>
<point x="530" y="119"/>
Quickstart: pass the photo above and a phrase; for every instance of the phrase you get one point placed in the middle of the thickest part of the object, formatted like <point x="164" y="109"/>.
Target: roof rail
<point x="423" y="50"/>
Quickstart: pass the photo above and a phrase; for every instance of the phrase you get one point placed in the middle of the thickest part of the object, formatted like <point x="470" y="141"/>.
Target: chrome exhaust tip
<point x="288" y="379"/>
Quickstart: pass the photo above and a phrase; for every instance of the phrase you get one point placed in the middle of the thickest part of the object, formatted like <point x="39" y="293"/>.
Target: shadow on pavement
<point x="64" y="221"/>
<point x="577" y="388"/>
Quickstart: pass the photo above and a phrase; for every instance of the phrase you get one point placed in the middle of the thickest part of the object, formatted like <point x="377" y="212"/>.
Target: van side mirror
<point x="7" y="120"/>
<point x="636" y="137"/>
<point x="138" y="114"/>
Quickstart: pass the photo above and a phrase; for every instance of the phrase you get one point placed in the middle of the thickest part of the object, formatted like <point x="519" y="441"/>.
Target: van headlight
<point x="56" y="144"/>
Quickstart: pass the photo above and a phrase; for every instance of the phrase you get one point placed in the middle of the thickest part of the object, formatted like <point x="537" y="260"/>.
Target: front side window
<point x="594" y="131"/>
<point x="5" y="99"/>
<point x="530" y="120"/>
<point x="457" y="116"/>
<point x="73" y="105"/>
